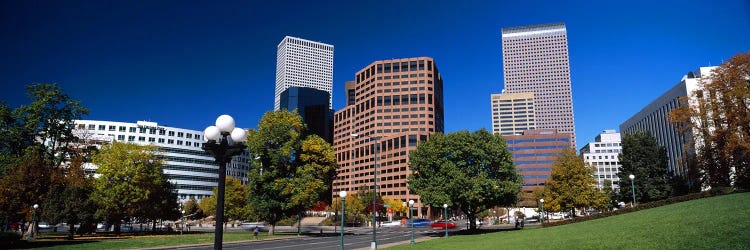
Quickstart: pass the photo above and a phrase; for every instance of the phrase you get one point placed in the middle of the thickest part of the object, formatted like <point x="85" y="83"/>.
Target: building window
<point x="122" y="128"/>
<point x="112" y="128"/>
<point x="121" y="137"/>
<point x="131" y="138"/>
<point x="102" y="127"/>
<point x="132" y="129"/>
<point x="171" y="133"/>
<point x="151" y="139"/>
<point x="180" y="134"/>
<point x="141" y="138"/>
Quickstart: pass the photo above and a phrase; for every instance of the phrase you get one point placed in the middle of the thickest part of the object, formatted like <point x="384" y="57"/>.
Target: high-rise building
<point x="534" y="153"/>
<point x="535" y="59"/>
<point x="653" y="120"/>
<point x="513" y="113"/>
<point x="312" y="105"/>
<point x="603" y="155"/>
<point x="193" y="171"/>
<point x="391" y="107"/>
<point x="303" y="63"/>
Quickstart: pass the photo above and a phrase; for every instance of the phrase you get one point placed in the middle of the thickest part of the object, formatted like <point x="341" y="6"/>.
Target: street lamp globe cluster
<point x="223" y="141"/>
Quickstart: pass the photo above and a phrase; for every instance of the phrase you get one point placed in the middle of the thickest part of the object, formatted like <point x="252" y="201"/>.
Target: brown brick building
<point x="534" y="153"/>
<point x="394" y="104"/>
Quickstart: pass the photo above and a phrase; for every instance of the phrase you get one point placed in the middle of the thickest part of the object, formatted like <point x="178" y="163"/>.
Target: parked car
<point x="419" y="222"/>
<point x="441" y="224"/>
<point x="391" y="224"/>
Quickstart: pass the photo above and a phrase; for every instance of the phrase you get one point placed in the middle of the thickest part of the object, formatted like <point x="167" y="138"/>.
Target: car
<point x="419" y="222"/>
<point x="391" y="224"/>
<point x="441" y="224"/>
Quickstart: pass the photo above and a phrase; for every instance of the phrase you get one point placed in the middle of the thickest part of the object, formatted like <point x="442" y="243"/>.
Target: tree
<point x="192" y="209"/>
<point x="24" y="185"/>
<point x="643" y="157"/>
<point x="235" y="201"/>
<point x="475" y="171"/>
<point x="297" y="170"/>
<point x="130" y="176"/>
<point x="571" y="185"/>
<point x="49" y="117"/>
<point x="70" y="200"/>
<point x="397" y="206"/>
<point x="718" y="113"/>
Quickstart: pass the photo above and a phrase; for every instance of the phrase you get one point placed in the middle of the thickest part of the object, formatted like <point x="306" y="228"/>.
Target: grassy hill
<point x="721" y="222"/>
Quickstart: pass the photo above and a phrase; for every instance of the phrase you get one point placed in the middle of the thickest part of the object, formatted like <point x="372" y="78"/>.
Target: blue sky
<point x="183" y="63"/>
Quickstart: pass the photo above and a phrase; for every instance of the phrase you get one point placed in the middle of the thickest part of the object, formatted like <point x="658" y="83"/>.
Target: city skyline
<point x="182" y="65"/>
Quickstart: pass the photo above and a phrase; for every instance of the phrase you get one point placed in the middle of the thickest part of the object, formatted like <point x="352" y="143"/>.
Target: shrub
<point x="642" y="206"/>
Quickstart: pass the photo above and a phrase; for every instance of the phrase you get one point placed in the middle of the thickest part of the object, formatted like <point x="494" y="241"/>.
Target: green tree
<point x="475" y="172"/>
<point x="70" y="200"/>
<point x="571" y="185"/>
<point x="297" y="170"/>
<point x="643" y="157"/>
<point x="718" y="113"/>
<point x="192" y="209"/>
<point x="130" y="176"/>
<point x="235" y="201"/>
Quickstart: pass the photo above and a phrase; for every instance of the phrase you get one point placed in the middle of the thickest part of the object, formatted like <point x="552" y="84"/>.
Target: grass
<point x="712" y="223"/>
<point x="132" y="242"/>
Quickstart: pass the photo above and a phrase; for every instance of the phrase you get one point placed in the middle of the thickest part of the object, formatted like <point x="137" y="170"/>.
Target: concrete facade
<point x="513" y="113"/>
<point x="654" y="120"/>
<point x="186" y="164"/>
<point x="603" y="155"/>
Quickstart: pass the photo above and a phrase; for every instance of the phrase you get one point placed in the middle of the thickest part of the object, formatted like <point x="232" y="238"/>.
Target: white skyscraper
<point x="303" y="63"/>
<point x="535" y="59"/>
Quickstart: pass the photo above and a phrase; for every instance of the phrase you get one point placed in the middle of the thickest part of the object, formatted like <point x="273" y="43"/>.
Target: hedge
<point x="710" y="193"/>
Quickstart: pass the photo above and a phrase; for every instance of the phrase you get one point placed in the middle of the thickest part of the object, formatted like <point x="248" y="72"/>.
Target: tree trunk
<point x="71" y="231"/>
<point x="272" y="229"/>
<point x="472" y="221"/>
<point x="117" y="229"/>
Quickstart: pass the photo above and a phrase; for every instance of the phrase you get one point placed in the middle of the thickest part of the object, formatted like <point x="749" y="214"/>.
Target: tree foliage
<point x="572" y="185"/>
<point x="235" y="201"/>
<point x="131" y="183"/>
<point x="69" y="200"/>
<point x="468" y="171"/>
<point x="297" y="169"/>
<point x="192" y="209"/>
<point x="24" y="185"/>
<point x="718" y="113"/>
<point x="643" y="157"/>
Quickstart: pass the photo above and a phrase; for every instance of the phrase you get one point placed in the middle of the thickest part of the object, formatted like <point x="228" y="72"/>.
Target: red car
<point x="441" y="225"/>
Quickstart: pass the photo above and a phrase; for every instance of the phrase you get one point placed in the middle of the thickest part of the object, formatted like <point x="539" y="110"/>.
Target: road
<point x="355" y="238"/>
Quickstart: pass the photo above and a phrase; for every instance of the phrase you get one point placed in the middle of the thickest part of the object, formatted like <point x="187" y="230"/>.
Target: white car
<point x="251" y="226"/>
<point x="391" y="224"/>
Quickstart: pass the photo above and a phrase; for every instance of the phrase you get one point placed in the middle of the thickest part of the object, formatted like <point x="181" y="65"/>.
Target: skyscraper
<point x="391" y="106"/>
<point x="535" y="59"/>
<point x="312" y="105"/>
<point x="513" y="113"/>
<point x="303" y="63"/>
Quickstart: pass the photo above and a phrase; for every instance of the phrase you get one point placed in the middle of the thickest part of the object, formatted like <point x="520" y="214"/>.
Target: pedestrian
<point x="255" y="233"/>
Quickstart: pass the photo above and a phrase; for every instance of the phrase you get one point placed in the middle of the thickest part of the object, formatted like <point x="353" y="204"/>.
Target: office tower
<point x="391" y="106"/>
<point x="312" y="105"/>
<point x="193" y="171"/>
<point x="653" y="120"/>
<point x="534" y="153"/>
<point x="535" y="59"/>
<point x="513" y="113"/>
<point x="303" y="63"/>
<point x="603" y="155"/>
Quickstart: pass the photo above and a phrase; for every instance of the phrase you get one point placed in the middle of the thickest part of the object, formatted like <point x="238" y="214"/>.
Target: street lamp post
<point x="445" y="219"/>
<point x="373" y="244"/>
<point x="541" y="215"/>
<point x="33" y="222"/>
<point x="182" y="228"/>
<point x="223" y="141"/>
<point x="411" y="204"/>
<point x="633" y="187"/>
<point x="342" y="195"/>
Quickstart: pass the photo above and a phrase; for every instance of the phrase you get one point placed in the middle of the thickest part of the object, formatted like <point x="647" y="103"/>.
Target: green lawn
<point x="141" y="241"/>
<point x="721" y="222"/>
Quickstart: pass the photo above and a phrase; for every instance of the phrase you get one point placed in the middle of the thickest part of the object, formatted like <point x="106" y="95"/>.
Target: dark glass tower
<point x="312" y="105"/>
